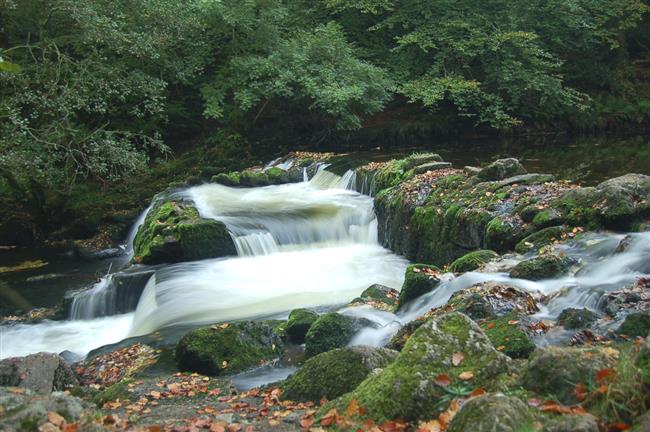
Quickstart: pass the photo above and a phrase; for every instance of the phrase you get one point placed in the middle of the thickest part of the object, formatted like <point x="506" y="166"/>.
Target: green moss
<point x="277" y="175"/>
<point x="119" y="390"/>
<point x="329" y="331"/>
<point x="419" y="279"/>
<point x="576" y="318"/>
<point x="541" y="267"/>
<point x="227" y="348"/>
<point x="542" y="238"/>
<point x="174" y="231"/>
<point x="298" y="324"/>
<point x="508" y="338"/>
<point x="472" y="261"/>
<point x="635" y="324"/>
<point x="407" y="387"/>
<point x="494" y="412"/>
<point x="333" y="373"/>
<point x="253" y="178"/>
<point x="503" y="233"/>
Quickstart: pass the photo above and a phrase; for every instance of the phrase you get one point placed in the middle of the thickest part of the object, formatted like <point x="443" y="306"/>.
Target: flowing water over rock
<point x="309" y="244"/>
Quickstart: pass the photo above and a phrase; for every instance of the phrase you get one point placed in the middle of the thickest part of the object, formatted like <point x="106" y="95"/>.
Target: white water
<point x="301" y="245"/>
<point x="601" y="271"/>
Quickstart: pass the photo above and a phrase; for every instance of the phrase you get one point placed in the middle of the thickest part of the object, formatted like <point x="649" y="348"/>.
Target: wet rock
<point x="572" y="423"/>
<point x="489" y="299"/>
<point x="624" y="244"/>
<point x="329" y="331"/>
<point x="504" y="232"/>
<point x="41" y="373"/>
<point x="632" y="299"/>
<point x="174" y="232"/>
<point x="635" y="324"/>
<point x="379" y="297"/>
<point x="418" y="159"/>
<point x="472" y="261"/>
<point x="407" y="388"/>
<point x="227" y="348"/>
<point x="419" y="279"/>
<point x="400" y="338"/>
<point x="334" y="373"/>
<point x="556" y="370"/>
<point x="494" y="412"/>
<point x="501" y="169"/>
<point x="524" y="179"/>
<point x="509" y="336"/>
<point x="572" y="318"/>
<point x="430" y="166"/>
<point x="471" y="170"/>
<point x="541" y="267"/>
<point x="542" y="238"/>
<point x="25" y="411"/>
<point x="298" y="324"/>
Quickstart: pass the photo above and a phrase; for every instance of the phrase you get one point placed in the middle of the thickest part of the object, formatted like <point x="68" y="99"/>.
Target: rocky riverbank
<point x="488" y="354"/>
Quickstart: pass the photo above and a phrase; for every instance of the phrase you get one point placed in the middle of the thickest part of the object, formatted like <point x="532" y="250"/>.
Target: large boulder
<point x="329" y="331"/>
<point x="472" y="261"/>
<point x="227" y="348"/>
<point x="334" y="373"/>
<point x="413" y="386"/>
<point x="541" y="267"/>
<point x="572" y="318"/>
<point x="635" y="324"/>
<point x="501" y="169"/>
<point x="298" y="324"/>
<point x="556" y="370"/>
<point x="419" y="279"/>
<point x="572" y="423"/>
<point x="173" y="231"/>
<point x="491" y="413"/>
<point x="379" y="297"/>
<point x="41" y="373"/>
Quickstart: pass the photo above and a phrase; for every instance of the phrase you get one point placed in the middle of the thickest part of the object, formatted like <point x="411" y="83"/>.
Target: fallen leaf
<point x="605" y="374"/>
<point x="353" y="409"/>
<point x="306" y="422"/>
<point x="466" y="376"/>
<point x="457" y="358"/>
<point x="443" y="380"/>
<point x="55" y="418"/>
<point x="580" y="392"/>
<point x="430" y="426"/>
<point x="477" y="392"/>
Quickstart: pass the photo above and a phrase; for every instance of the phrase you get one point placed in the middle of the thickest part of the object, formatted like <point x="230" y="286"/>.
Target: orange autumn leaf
<point x="605" y="374"/>
<point x="457" y="358"/>
<point x="443" y="380"/>
<point x="430" y="426"/>
<point x="352" y="409"/>
<point x="477" y="392"/>
<point x="580" y="392"/>
<point x="330" y="418"/>
<point x="466" y="376"/>
<point x="619" y="426"/>
<point x="306" y="422"/>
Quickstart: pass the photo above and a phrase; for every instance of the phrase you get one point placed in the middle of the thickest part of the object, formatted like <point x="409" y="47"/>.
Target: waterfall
<point x="134" y="231"/>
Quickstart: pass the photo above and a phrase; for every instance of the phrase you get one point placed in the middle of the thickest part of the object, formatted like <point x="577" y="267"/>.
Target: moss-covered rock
<point x="542" y="238"/>
<point x="504" y="232"/>
<point x="379" y="297"/>
<point x="253" y="178"/>
<point x="277" y="175"/>
<point x="227" y="348"/>
<point x="472" y="261"/>
<point x="635" y="324"/>
<point x="491" y="413"/>
<point x="408" y="388"/>
<point x="555" y="371"/>
<point x="572" y="423"/>
<point x="334" y="373"/>
<point x="430" y="166"/>
<point x="508" y="336"/>
<point x="541" y="267"/>
<point x="419" y="279"/>
<point x="298" y="324"/>
<point x="501" y="169"/>
<point x="117" y="391"/>
<point x="572" y="318"/>
<point x="329" y="331"/>
<point x="173" y="231"/>
<point x="490" y="299"/>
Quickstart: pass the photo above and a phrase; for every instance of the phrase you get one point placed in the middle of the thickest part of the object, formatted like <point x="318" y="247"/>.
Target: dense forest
<point x="94" y="93"/>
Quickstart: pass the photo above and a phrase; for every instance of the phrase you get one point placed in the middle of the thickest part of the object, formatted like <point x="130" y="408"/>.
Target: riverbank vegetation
<point x="96" y="93"/>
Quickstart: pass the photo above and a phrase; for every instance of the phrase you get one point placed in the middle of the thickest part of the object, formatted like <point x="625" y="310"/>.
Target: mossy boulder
<point x="118" y="390"/>
<point x="555" y="371"/>
<point x="277" y="175"/>
<point x="418" y="159"/>
<point x="329" y="331"/>
<point x="635" y="324"/>
<point x="490" y="299"/>
<point x="572" y="423"/>
<point x="419" y="279"/>
<point x="541" y="267"/>
<point x="491" y="413"/>
<point x="509" y="336"/>
<point x="430" y="166"/>
<point x="472" y="261"/>
<point x="334" y="373"/>
<point x="173" y="231"/>
<point x="501" y="169"/>
<point x="542" y="238"/>
<point x="572" y="318"/>
<point x="298" y="324"/>
<point x="379" y="297"/>
<point x="504" y="232"/>
<point x="408" y="388"/>
<point x="227" y="348"/>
